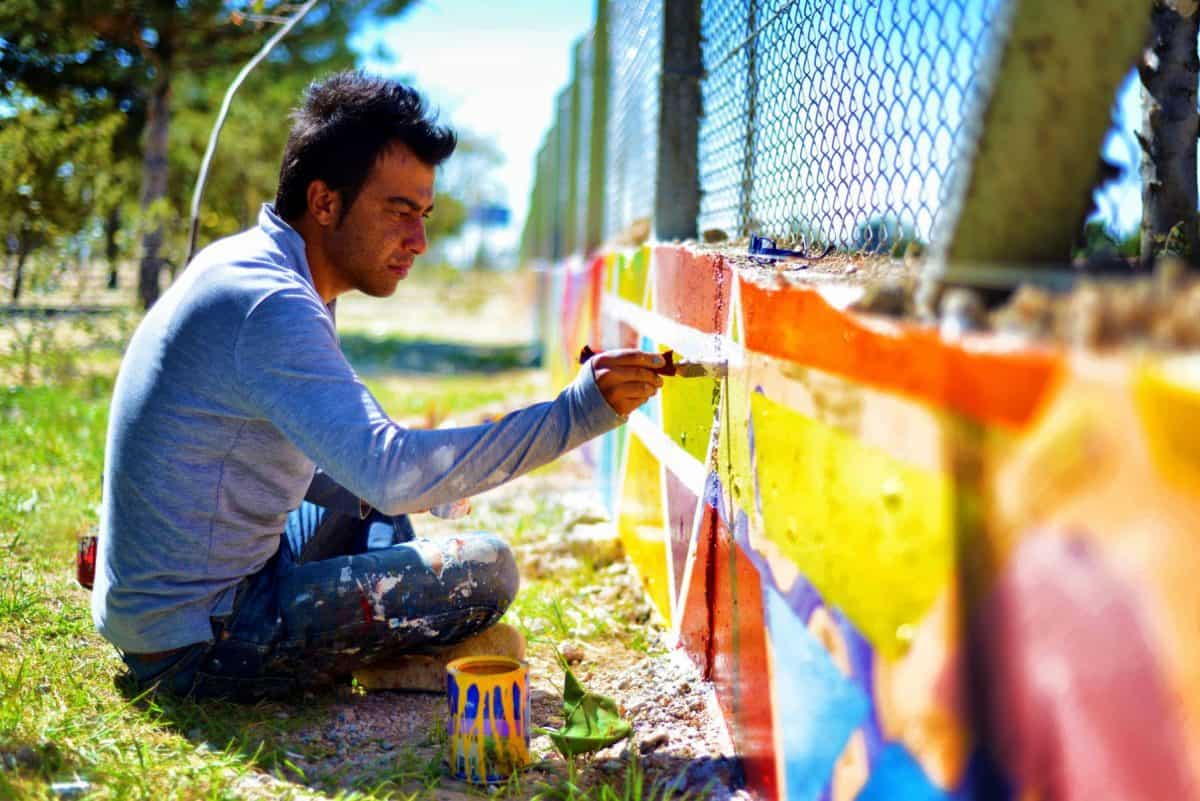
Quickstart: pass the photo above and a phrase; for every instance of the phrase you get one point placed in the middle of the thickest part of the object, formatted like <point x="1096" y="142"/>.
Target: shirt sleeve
<point x="293" y="373"/>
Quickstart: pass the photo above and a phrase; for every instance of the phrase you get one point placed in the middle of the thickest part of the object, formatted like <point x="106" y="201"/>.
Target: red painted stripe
<point x="692" y="288"/>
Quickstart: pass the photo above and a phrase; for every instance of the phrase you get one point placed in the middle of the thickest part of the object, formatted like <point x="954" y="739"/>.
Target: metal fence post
<point x="677" y="194"/>
<point x="597" y="140"/>
<point x="1035" y="162"/>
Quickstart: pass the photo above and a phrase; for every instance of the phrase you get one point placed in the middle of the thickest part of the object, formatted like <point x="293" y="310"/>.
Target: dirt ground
<point x="679" y="741"/>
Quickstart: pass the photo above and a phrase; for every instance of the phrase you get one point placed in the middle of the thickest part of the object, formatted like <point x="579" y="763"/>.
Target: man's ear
<point x="324" y="204"/>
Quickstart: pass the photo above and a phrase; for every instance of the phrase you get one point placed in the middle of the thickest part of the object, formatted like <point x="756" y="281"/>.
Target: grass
<point x="65" y="713"/>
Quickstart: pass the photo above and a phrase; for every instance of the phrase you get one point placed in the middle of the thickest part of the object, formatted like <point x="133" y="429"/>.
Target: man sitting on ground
<point x="228" y="565"/>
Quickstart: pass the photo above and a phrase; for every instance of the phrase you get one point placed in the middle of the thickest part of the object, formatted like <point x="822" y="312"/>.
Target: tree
<point x="46" y="186"/>
<point x="1169" y="73"/>
<point x="140" y="51"/>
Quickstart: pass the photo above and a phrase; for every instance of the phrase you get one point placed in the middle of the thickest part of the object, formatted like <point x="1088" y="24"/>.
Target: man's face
<point x="374" y="245"/>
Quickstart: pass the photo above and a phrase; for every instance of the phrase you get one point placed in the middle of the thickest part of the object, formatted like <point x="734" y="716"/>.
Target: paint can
<point x="488" y="727"/>
<point x="85" y="561"/>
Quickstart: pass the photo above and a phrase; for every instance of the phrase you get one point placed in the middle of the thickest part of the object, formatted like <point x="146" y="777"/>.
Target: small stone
<point x="685" y="687"/>
<point x="347" y="716"/>
<point x="611" y="766"/>
<point x="386" y="745"/>
<point x="653" y="741"/>
<point x="572" y="652"/>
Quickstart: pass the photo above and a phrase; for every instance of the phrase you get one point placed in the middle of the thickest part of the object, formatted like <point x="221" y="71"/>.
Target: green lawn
<point x="63" y="712"/>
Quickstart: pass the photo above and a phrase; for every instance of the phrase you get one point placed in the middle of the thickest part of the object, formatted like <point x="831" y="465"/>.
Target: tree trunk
<point x="19" y="275"/>
<point x="112" y="224"/>
<point x="154" y="183"/>
<point x="1169" y="72"/>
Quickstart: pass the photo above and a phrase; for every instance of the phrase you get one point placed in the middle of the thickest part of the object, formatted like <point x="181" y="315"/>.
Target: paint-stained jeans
<point x="341" y="593"/>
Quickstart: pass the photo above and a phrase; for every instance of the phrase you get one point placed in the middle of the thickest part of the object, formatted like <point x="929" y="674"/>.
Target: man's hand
<point x="626" y="377"/>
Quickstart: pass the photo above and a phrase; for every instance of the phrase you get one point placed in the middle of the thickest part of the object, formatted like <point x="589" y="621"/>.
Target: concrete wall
<point x="913" y="568"/>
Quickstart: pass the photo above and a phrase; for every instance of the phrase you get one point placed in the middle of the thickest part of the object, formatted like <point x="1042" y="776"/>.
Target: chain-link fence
<point x="835" y="121"/>
<point x="635" y="53"/>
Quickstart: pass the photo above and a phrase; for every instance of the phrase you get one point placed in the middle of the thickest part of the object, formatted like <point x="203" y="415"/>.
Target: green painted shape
<point x="689" y="411"/>
<point x="874" y="535"/>
<point x="1032" y="174"/>
<point x="590" y="721"/>
<point x="631" y="276"/>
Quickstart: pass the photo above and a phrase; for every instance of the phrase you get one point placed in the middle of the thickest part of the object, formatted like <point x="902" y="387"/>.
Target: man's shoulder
<point x="250" y="264"/>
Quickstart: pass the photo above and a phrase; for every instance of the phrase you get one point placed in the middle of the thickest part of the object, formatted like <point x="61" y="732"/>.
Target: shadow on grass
<point x="400" y="354"/>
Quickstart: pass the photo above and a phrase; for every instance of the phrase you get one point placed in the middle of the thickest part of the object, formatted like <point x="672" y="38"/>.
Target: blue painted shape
<point x="608" y="472"/>
<point x="817" y="708"/>
<point x="896" y="776"/>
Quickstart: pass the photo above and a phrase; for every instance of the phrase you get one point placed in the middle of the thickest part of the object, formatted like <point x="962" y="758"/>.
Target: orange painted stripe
<point x="1005" y="386"/>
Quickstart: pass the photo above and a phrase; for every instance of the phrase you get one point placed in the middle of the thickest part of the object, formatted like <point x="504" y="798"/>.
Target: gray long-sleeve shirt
<point x="232" y="389"/>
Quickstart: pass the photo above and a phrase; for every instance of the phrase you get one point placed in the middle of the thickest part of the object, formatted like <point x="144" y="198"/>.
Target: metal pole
<point x="677" y="184"/>
<point x="202" y="178"/>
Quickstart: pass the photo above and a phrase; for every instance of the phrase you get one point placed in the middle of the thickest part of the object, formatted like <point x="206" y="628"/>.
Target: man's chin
<point x="382" y="290"/>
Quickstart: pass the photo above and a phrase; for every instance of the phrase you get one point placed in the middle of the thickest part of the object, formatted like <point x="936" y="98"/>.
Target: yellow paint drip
<point x="474" y="754"/>
<point x="872" y="534"/>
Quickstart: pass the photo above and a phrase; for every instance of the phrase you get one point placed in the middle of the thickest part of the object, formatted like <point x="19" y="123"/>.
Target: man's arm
<point x="294" y="374"/>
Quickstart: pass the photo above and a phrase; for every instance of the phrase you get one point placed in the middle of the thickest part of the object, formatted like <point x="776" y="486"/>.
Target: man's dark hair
<point x="346" y="123"/>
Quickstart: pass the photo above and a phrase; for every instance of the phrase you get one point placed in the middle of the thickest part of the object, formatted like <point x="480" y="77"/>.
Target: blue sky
<point x="491" y="67"/>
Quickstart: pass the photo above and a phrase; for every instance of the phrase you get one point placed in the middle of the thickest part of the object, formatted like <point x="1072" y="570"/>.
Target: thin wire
<point x="733" y="51"/>
<point x="202" y="178"/>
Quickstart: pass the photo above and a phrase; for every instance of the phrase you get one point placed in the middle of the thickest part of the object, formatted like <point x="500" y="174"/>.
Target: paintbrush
<point x="680" y="369"/>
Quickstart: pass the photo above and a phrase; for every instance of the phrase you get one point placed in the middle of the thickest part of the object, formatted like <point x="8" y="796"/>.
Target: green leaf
<point x="590" y="721"/>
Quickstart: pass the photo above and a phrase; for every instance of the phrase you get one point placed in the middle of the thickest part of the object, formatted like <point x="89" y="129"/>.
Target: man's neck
<point x="324" y="276"/>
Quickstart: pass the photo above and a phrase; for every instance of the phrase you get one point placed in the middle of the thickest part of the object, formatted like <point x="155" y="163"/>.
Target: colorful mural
<point x="913" y="568"/>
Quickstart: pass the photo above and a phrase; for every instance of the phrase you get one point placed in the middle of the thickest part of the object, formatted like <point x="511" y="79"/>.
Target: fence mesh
<point x="839" y="121"/>
<point x="635" y="56"/>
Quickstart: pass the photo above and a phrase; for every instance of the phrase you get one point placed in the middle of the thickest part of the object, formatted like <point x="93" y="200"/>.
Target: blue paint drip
<point x="498" y="704"/>
<point x="472" y="707"/>
<point x="516" y="693"/>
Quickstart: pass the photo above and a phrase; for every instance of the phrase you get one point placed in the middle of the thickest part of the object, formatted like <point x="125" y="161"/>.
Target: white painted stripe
<point x="683" y="339"/>
<point x="687" y="468"/>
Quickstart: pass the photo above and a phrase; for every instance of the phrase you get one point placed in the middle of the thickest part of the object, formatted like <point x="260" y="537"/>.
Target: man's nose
<point x="416" y="243"/>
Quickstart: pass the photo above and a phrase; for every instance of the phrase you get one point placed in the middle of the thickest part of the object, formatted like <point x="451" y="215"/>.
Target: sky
<point x="493" y="68"/>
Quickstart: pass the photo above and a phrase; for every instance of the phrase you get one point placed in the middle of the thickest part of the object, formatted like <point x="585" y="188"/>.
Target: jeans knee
<point x="496" y="569"/>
